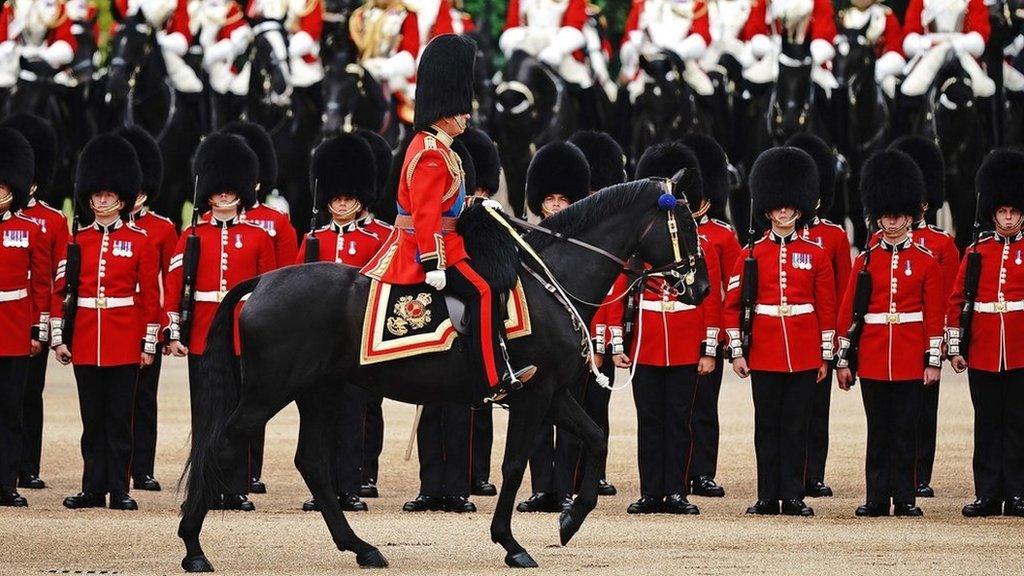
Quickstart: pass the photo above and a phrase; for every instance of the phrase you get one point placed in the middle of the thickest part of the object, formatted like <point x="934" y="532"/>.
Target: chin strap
<point x="346" y="215"/>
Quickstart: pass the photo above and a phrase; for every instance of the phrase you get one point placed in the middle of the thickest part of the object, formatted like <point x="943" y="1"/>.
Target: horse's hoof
<point x="196" y="564"/>
<point x="371" y="559"/>
<point x="520" y="560"/>
<point x="567" y="527"/>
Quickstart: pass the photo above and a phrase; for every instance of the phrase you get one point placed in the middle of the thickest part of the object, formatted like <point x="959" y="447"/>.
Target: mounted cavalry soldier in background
<point x="657" y="27"/>
<point x="170" y="19"/>
<point x="224" y="35"/>
<point x="386" y="35"/>
<point x="34" y="31"/>
<point x="739" y="36"/>
<point x="808" y="23"/>
<point x="882" y="29"/>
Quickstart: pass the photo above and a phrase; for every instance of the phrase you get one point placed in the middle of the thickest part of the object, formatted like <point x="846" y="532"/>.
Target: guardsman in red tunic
<point x="343" y="173"/>
<point x="54" y="226"/>
<point x="607" y="164"/>
<point x="424" y="246"/>
<point x="163" y="235"/>
<point x="992" y="354"/>
<point x="558" y="176"/>
<point x="275" y="222"/>
<point x="230" y="251"/>
<point x="882" y="29"/>
<point x="935" y="30"/>
<point x="928" y="157"/>
<point x="900" y="342"/>
<point x="832" y="238"/>
<point x="656" y="26"/>
<point x="117" y="320"/>
<point x="24" y="303"/>
<point x="793" y="330"/>
<point x="674" y="344"/>
<point x="810" y="23"/>
<point x="714" y="170"/>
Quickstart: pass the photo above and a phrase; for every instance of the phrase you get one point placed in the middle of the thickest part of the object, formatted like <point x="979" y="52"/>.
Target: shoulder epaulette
<point x="252" y="224"/>
<point x="923" y="249"/>
<point x="723" y="224"/>
<point x="831" y="223"/>
<point x="159" y="217"/>
<point x="809" y="241"/>
<point x="935" y="228"/>
<point x="21" y="216"/>
<point x="48" y="207"/>
<point x="131" y="226"/>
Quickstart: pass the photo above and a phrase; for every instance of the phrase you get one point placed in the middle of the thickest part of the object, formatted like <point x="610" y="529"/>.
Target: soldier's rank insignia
<point x="410" y="312"/>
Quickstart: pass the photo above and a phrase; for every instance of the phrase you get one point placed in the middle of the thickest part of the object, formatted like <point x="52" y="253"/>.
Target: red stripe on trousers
<point x="486" y="341"/>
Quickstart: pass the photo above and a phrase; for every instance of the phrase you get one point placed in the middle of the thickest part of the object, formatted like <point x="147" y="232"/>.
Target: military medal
<point x="907" y="272"/>
<point x="238" y="241"/>
<point x="352" y="249"/>
<point x="1017" y="260"/>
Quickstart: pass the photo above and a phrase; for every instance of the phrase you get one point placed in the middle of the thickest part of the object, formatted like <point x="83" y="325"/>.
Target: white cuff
<point x="173" y="326"/>
<point x="56" y="332"/>
<point x="44" y="327"/>
<point x="58" y="54"/>
<point x="599" y="341"/>
<point x="953" y="342"/>
<point x="735" y="343"/>
<point x="616" y="341"/>
<point x="709" y="347"/>
<point x="150" y="339"/>
<point x="889" y="64"/>
<point x="174" y="42"/>
<point x="828" y="346"/>
<point x="300" y="44"/>
<point x="822" y="51"/>
<point x="842" y="360"/>
<point x="934" y="355"/>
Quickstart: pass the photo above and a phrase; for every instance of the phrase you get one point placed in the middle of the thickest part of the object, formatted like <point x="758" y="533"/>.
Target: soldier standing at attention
<point x="24" y="303"/>
<point x="897" y="336"/>
<point x="114" y="330"/>
<point x="786" y="348"/>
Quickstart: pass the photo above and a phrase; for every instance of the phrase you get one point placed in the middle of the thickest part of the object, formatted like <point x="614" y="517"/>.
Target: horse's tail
<point x="216" y="395"/>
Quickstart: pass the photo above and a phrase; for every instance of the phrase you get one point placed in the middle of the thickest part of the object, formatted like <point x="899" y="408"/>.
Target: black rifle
<point x="861" y="299"/>
<point x="972" y="274"/>
<point x="190" y="267"/>
<point x="72" y="276"/>
<point x="748" y="290"/>
<point x="312" y="242"/>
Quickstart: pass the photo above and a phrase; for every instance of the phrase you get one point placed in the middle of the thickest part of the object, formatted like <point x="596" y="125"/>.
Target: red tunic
<point x="822" y="25"/>
<point x="352" y="244"/>
<point x="756" y="21"/>
<point x="996" y="330"/>
<point x="722" y="239"/>
<point x="892" y="36"/>
<point x="942" y="247"/>
<point x="311" y="21"/>
<point x="794" y="322"/>
<point x="113" y="319"/>
<point x="575" y="15"/>
<point x="24" y="282"/>
<point x="54" y="225"/>
<point x="280" y="228"/>
<point x="606" y="325"/>
<point x="162" y="233"/>
<point x="976" y="19"/>
<point x="431" y="194"/>
<point x="670" y="333"/>
<point x="229" y="253"/>
<point x="833" y="240"/>
<point x="700" y="24"/>
<point x="904" y="320"/>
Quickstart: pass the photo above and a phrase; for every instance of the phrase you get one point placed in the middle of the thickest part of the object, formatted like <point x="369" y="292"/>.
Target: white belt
<point x="665" y="306"/>
<point x="12" y="295"/>
<point x="210" y="296"/>
<point x="784" y="309"/>
<point x="106" y="302"/>
<point x="999" y="307"/>
<point x="895" y="318"/>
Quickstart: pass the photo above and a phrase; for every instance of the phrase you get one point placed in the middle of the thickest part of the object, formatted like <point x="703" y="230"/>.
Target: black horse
<point x="860" y="121"/>
<point x="327" y="303"/>
<point x="667" y="107"/>
<point x="354" y="99"/>
<point x="532" y="106"/>
<point x="795" y="102"/>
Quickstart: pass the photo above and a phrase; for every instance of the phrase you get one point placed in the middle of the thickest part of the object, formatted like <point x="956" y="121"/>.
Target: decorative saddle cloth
<point x="403" y="321"/>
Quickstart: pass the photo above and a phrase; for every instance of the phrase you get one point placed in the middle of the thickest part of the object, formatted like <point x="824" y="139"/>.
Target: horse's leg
<point x="526" y="414"/>
<point x="569" y="416"/>
<point x="313" y="460"/>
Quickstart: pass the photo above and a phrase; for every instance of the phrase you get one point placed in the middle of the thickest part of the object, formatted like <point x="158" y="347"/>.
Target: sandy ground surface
<point x="280" y="539"/>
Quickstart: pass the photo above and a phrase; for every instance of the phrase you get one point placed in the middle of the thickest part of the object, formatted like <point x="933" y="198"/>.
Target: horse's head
<point x="792" y="96"/>
<point x="270" y="71"/>
<point x="516" y="109"/>
<point x="128" y="50"/>
<point x="353" y="99"/>
<point x="855" y="57"/>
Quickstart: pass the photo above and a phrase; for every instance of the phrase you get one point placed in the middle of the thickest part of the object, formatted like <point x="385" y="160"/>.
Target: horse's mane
<point x="587" y="212"/>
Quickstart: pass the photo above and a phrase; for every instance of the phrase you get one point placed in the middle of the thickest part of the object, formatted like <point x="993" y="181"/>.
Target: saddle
<point x="409" y="320"/>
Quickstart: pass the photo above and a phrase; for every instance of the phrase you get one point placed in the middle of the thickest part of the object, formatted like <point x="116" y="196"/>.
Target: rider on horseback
<point x="657" y="26"/>
<point x="431" y="194"/>
<point x="387" y="38"/>
<point x="810" y="22"/>
<point x="882" y="29"/>
<point x="34" y="30"/>
<point x="939" y="29"/>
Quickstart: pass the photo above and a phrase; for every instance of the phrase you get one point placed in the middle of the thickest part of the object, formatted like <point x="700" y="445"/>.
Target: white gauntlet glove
<point x="437" y="279"/>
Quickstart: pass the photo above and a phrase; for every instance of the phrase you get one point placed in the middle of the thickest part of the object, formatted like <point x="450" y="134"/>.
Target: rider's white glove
<point x="552" y="56"/>
<point x="821" y="51"/>
<point x="915" y="43"/>
<point x="174" y="43"/>
<point x="220" y="52"/>
<point x="971" y="43"/>
<point x="437" y="279"/>
<point x="58" y="54"/>
<point x="492" y="204"/>
<point x="761" y="46"/>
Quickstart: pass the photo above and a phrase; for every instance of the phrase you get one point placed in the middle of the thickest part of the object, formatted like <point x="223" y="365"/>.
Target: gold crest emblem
<point x="409" y="313"/>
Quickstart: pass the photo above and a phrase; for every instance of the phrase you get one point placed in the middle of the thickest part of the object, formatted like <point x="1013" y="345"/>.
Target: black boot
<point x="483" y="489"/>
<point x="906" y="509"/>
<point x="604" y="488"/>
<point x="10" y="497"/>
<point x="233" y="502"/>
<point x="424" y="504"/>
<point x="257" y="486"/>
<point x="983" y="507"/>
<point x="678" y="504"/>
<point x="924" y="491"/>
<point x="352" y="503"/>
<point x="1014" y="507"/>
<point x="818" y="489"/>
<point x="85" y="500"/>
<point x="645" y="505"/>
<point x="458" y="504"/>
<point x="123" y="502"/>
<point x="706" y="486"/>
<point x="872" y="510"/>
<point x="147" y="483"/>
<point x="369" y="489"/>
<point x="31" y="481"/>
<point x="566" y="502"/>
<point x="540" y="502"/>
<point x="764" y="508"/>
<point x="310" y="506"/>
<point x="509" y="382"/>
<point x="796" y="507"/>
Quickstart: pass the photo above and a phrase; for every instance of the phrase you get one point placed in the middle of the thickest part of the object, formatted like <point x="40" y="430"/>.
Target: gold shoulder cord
<point x="452" y="161"/>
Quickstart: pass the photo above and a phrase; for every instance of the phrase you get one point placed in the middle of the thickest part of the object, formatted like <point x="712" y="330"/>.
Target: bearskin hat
<point x="557" y="168"/>
<point x="928" y="157"/>
<point x="225" y="162"/>
<point x="1000" y="182"/>
<point x="151" y="161"/>
<point x="825" y="159"/>
<point x="468" y="166"/>
<point x="257" y="138"/>
<point x="485" y="160"/>
<point x="43" y="139"/>
<point x="382" y="158"/>
<point x="444" y="79"/>
<point x="668" y="158"/>
<point x="714" y="167"/>
<point x="784" y="177"/>
<point x="605" y="157"/>
<point x="108" y="162"/>
<point x="17" y="162"/>
<point x="891" y="184"/>
<point x="343" y="166"/>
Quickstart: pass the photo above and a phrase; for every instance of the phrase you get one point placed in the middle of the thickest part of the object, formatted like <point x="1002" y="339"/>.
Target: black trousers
<point x="256" y="446"/>
<point x="442" y="442"/>
<point x="664" y="399"/>
<point x="594" y="400"/>
<point x="13" y="374"/>
<point x="144" y="432"/>
<point x="927" y="429"/>
<point x="998" y="399"/>
<point x="782" y="407"/>
<point x="891" y="409"/>
<point x="237" y="474"/>
<point x="106" y="397"/>
<point x="481" y="423"/>
<point x="373" y="436"/>
<point x="32" y="438"/>
<point x="348" y="442"/>
<point x="817" y="427"/>
<point x="705" y="423"/>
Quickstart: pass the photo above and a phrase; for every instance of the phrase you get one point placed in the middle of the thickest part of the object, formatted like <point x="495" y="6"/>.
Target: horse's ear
<point x="682" y="181"/>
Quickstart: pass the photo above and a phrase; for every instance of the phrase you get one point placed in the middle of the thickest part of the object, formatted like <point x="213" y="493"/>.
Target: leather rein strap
<point x="585" y="245"/>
